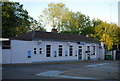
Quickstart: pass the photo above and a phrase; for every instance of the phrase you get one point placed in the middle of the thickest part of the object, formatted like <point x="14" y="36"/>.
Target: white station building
<point x="40" y="46"/>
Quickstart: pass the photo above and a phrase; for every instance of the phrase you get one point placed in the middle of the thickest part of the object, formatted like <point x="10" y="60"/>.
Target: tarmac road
<point x="104" y="70"/>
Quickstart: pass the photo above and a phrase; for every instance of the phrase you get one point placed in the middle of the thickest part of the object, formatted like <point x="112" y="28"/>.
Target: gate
<point x="117" y="55"/>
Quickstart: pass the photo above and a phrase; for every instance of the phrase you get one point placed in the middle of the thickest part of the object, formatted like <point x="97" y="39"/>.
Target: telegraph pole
<point x="119" y="13"/>
<point x="105" y="40"/>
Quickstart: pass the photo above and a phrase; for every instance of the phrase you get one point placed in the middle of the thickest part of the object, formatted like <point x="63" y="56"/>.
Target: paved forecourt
<point x="101" y="70"/>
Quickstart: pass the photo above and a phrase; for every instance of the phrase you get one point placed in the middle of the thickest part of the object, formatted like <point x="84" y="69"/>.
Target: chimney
<point x="54" y="30"/>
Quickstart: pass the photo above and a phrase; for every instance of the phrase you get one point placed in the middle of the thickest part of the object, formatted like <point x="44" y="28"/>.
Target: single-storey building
<point x="40" y="46"/>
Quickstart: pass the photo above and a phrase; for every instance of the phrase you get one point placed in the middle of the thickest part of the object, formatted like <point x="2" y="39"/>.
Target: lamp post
<point x="104" y="38"/>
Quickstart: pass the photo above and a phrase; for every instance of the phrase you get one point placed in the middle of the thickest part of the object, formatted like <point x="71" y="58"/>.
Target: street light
<point x="105" y="38"/>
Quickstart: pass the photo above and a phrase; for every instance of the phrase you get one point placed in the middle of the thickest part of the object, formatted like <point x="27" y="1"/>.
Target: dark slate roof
<point x="41" y="35"/>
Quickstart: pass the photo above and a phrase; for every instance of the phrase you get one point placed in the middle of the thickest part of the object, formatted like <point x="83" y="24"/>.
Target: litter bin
<point x="108" y="57"/>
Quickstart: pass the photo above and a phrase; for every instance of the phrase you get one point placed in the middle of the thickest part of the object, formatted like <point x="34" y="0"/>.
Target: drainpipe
<point x="99" y="51"/>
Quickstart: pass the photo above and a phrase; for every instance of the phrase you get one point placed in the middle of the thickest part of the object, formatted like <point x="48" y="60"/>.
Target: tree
<point x="77" y="23"/>
<point x="54" y="14"/>
<point x="67" y="21"/>
<point x="107" y="40"/>
<point x="13" y="16"/>
<point x="108" y="29"/>
<point x="35" y="25"/>
<point x="15" y="20"/>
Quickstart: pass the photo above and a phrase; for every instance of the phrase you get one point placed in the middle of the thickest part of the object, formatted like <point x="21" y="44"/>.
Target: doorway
<point x="80" y="52"/>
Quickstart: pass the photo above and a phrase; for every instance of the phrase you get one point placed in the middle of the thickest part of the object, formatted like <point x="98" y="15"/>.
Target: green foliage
<point x="66" y="21"/>
<point x="54" y="14"/>
<point x="108" y="31"/>
<point x="70" y="32"/>
<point x="59" y="17"/>
<point x="13" y="17"/>
<point x="80" y="24"/>
<point x="76" y="22"/>
<point x="35" y="25"/>
<point x="15" y="20"/>
<point x="107" y="40"/>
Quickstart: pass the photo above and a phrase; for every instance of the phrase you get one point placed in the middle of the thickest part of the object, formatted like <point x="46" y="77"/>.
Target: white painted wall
<point x="19" y="51"/>
<point x="6" y="56"/>
<point x="92" y="57"/>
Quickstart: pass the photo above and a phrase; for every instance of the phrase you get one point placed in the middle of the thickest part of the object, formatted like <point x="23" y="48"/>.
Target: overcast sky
<point x="106" y="10"/>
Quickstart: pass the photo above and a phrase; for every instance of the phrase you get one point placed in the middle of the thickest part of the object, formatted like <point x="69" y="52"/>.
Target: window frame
<point x="88" y="49"/>
<point x="94" y="50"/>
<point x="71" y="51"/>
<point x="60" y="50"/>
<point x="35" y="50"/>
<point x="40" y="50"/>
<point x="48" y="54"/>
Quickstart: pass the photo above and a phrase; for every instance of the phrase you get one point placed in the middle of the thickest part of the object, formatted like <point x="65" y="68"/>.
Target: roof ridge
<point x="58" y="33"/>
<point x="53" y="36"/>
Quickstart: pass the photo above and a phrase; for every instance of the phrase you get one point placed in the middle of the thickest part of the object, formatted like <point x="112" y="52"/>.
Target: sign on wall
<point x="66" y="53"/>
<point x="29" y="54"/>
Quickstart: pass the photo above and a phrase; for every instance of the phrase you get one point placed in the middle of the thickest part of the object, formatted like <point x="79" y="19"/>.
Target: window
<point x="79" y="52"/>
<point x="88" y="48"/>
<point x="80" y="46"/>
<point x="60" y="50"/>
<point x="48" y="50"/>
<point x="6" y="45"/>
<point x="93" y="50"/>
<point x="55" y="53"/>
<point x="40" y="50"/>
<point x="29" y="56"/>
<point x="35" y="51"/>
<point x="70" y="50"/>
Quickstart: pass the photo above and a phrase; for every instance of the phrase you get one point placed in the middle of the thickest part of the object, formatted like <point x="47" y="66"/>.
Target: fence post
<point x="114" y="54"/>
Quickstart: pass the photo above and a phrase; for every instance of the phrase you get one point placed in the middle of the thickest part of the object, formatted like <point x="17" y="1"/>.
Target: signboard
<point x="29" y="54"/>
<point x="82" y="43"/>
<point x="66" y="53"/>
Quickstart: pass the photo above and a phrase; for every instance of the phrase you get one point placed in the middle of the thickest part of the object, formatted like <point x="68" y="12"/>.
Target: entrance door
<point x="88" y="52"/>
<point x="80" y="52"/>
<point x="88" y="55"/>
<point x="117" y="55"/>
